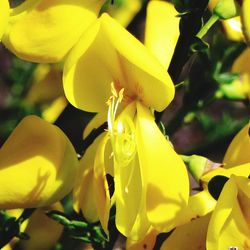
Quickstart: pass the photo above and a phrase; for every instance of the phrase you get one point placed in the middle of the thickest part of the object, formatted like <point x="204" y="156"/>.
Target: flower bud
<point x="226" y="9"/>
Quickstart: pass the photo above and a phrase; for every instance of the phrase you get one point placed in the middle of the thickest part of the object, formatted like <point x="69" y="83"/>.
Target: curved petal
<point x="37" y="165"/>
<point x="101" y="188"/>
<point x="227" y="226"/>
<point x="127" y="195"/>
<point x="233" y="29"/>
<point x="83" y="192"/>
<point x="238" y="151"/>
<point x="55" y="109"/>
<point x="95" y="123"/>
<point x="142" y="233"/>
<point x="192" y="235"/>
<point x="162" y="30"/>
<point x="127" y="176"/>
<point x="125" y="11"/>
<point x="199" y="205"/>
<point x="46" y="85"/>
<point x="163" y="171"/>
<point x="40" y="226"/>
<point x="240" y="170"/>
<point x="48" y="29"/>
<point x="245" y="19"/>
<point x="4" y="17"/>
<point x="108" y="53"/>
<point x="148" y="241"/>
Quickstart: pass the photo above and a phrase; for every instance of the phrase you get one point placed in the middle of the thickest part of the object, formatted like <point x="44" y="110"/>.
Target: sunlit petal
<point x="228" y="227"/>
<point x="101" y="189"/>
<point x="83" y="193"/>
<point x="238" y="151"/>
<point x="240" y="170"/>
<point x="95" y="122"/>
<point x="48" y="29"/>
<point x="148" y="241"/>
<point x="162" y="30"/>
<point x="108" y="53"/>
<point x="233" y="29"/>
<point x="4" y="17"/>
<point x="163" y="171"/>
<point x="37" y="164"/>
<point x="191" y="235"/>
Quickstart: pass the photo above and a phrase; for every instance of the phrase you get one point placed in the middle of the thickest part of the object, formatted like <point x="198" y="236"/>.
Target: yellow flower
<point x="4" y="17"/>
<point x="238" y="151"/>
<point x="151" y="181"/>
<point x="46" y="30"/>
<point x="229" y="224"/>
<point x="37" y="165"/>
<point x="226" y="227"/>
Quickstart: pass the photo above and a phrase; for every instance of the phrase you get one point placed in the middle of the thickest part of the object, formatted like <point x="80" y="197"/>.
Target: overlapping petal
<point x="83" y="192"/>
<point x="240" y="170"/>
<point x="4" y="17"/>
<point x="229" y="225"/>
<point x="191" y="235"/>
<point x="163" y="171"/>
<point x="127" y="175"/>
<point x="161" y="40"/>
<point x="45" y="30"/>
<point x="108" y="53"/>
<point x="91" y="191"/>
<point x="37" y="165"/>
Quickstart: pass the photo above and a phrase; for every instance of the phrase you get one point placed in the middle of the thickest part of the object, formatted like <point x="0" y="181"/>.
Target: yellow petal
<point x="46" y="85"/>
<point x="164" y="172"/>
<point x="48" y="29"/>
<point x="37" y="165"/>
<point x="83" y="193"/>
<point x="199" y="205"/>
<point x="240" y="170"/>
<point x="245" y="19"/>
<point x="147" y="243"/>
<point x="125" y="11"/>
<point x="128" y="195"/>
<point x="162" y="30"/>
<point x="4" y="17"/>
<point x="141" y="230"/>
<point x="101" y="188"/>
<point x="40" y="226"/>
<point x="52" y="112"/>
<point x="238" y="151"/>
<point x="108" y="53"/>
<point x="233" y="29"/>
<point x="240" y="65"/>
<point x="191" y="235"/>
<point x="95" y="123"/>
<point x="227" y="226"/>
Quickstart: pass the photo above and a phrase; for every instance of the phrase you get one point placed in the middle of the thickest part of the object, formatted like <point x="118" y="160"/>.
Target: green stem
<point x="211" y="21"/>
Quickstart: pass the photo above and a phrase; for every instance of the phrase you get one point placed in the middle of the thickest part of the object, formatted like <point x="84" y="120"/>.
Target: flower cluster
<point x="131" y="165"/>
